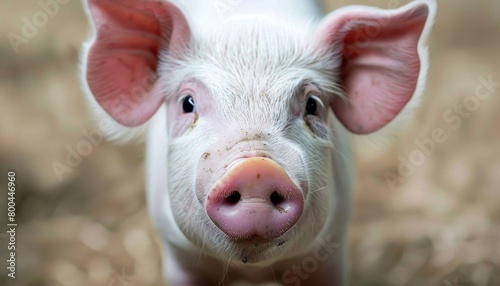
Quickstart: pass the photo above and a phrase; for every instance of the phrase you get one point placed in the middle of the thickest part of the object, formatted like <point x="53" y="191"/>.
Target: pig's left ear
<point x="383" y="58"/>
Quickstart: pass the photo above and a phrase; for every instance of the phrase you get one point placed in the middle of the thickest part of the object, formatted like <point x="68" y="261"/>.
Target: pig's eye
<point x="312" y="106"/>
<point x="188" y="104"/>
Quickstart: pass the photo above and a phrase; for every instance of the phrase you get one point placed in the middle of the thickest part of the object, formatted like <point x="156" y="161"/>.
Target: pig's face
<point x="250" y="109"/>
<point x="270" y="100"/>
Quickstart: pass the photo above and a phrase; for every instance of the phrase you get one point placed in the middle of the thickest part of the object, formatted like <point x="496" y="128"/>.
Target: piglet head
<point x="252" y="110"/>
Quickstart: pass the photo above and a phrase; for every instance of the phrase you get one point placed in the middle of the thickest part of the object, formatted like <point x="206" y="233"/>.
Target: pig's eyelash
<point x="184" y="95"/>
<point x="318" y="100"/>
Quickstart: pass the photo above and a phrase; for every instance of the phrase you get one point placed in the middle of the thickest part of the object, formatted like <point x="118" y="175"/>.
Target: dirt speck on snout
<point x="282" y="210"/>
<point x="206" y="155"/>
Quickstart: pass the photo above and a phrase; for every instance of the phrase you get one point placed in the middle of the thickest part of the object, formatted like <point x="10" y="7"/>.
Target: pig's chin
<point x="255" y="250"/>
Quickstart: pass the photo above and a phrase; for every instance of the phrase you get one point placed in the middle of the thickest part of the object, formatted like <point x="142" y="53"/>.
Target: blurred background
<point x="419" y="218"/>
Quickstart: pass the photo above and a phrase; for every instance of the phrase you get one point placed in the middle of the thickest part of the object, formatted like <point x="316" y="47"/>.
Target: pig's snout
<point x="255" y="199"/>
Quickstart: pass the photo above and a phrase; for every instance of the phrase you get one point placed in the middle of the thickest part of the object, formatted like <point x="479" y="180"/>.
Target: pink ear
<point x="380" y="61"/>
<point x="123" y="58"/>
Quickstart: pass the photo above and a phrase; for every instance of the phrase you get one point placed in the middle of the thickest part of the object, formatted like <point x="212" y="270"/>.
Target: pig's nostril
<point x="233" y="198"/>
<point x="276" y="198"/>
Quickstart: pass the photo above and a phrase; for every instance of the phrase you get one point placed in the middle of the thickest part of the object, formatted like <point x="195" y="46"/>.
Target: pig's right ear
<point x="382" y="60"/>
<point x="123" y="57"/>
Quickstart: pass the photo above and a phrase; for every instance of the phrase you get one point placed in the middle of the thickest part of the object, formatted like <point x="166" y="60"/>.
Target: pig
<point x="250" y="108"/>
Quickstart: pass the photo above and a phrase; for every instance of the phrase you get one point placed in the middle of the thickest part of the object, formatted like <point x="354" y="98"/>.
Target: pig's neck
<point x="203" y="12"/>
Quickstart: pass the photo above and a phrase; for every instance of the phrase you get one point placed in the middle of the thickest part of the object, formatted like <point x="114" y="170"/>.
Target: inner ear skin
<point x="123" y="58"/>
<point x="380" y="61"/>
